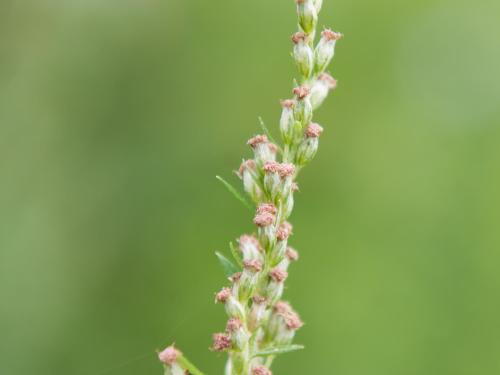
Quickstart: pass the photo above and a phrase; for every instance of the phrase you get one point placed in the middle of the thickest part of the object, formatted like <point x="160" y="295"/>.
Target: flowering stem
<point x="260" y="325"/>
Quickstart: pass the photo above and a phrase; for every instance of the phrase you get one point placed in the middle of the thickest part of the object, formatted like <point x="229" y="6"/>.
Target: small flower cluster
<point x="169" y="357"/>
<point x="258" y="319"/>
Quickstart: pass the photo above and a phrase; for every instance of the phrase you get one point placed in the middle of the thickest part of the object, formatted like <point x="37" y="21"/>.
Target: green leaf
<point x="274" y="350"/>
<point x="235" y="192"/>
<point x="266" y="131"/>
<point x="235" y="254"/>
<point x="228" y="266"/>
<point x="187" y="365"/>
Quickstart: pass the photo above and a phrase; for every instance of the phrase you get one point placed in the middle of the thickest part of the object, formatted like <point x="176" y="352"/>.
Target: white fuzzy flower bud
<point x="257" y="312"/>
<point x="233" y="307"/>
<point x="264" y="151"/>
<point x="284" y="231"/>
<point x="308" y="16"/>
<point x="249" y="278"/>
<point x="275" y="320"/>
<point x="272" y="179"/>
<point x="250" y="248"/>
<point x="238" y="333"/>
<point x="309" y="145"/>
<point x="283" y="324"/>
<point x="248" y="174"/>
<point x="325" y="50"/>
<point x="320" y="89"/>
<point x="287" y="120"/>
<point x="276" y="284"/>
<point x="291" y="255"/>
<point x="303" y="54"/>
<point x="278" y="178"/>
<point x="290" y="324"/>
<point x="303" y="108"/>
<point x="169" y="358"/>
<point x="278" y="252"/>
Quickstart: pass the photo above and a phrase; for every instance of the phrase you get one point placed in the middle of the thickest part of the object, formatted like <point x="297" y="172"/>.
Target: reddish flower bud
<point x="282" y="307"/>
<point x="329" y="80"/>
<point x="253" y="265"/>
<point x="258" y="139"/>
<point x="267" y="207"/>
<point x="284" y="231"/>
<point x="278" y="275"/>
<point x="299" y="37"/>
<point x="331" y="35"/>
<point x="233" y="325"/>
<point x="313" y="130"/>
<point x="301" y="91"/>
<point x="221" y="342"/>
<point x="223" y="295"/>
<point x="263" y="220"/>
<point x="169" y="355"/>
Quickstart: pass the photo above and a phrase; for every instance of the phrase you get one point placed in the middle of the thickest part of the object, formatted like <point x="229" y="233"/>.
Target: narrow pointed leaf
<point x="278" y="350"/>
<point x="235" y="254"/>
<point x="235" y="192"/>
<point x="229" y="267"/>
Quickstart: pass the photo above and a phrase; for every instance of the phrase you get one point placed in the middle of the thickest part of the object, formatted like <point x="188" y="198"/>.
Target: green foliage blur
<point x="115" y="117"/>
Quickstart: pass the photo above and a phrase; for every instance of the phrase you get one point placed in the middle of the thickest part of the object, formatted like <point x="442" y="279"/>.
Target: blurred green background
<point x="115" y="116"/>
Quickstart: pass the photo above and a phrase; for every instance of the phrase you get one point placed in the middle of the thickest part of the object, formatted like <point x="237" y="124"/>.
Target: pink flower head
<point x="253" y="265"/>
<point x="299" y="37"/>
<point x="284" y="231"/>
<point x="278" y="275"/>
<point x="292" y="320"/>
<point x="169" y="355"/>
<point x="221" y="342"/>
<point x="246" y="165"/>
<point x="261" y="370"/>
<point x="291" y="254"/>
<point x="286" y="169"/>
<point x="233" y="325"/>
<point x="301" y="91"/>
<point x="259" y="300"/>
<point x="288" y="103"/>
<point x="258" y="139"/>
<point x="282" y="307"/>
<point x="328" y="79"/>
<point x="223" y="295"/>
<point x="235" y="277"/>
<point x="271" y="167"/>
<point x="313" y="130"/>
<point x="267" y="207"/>
<point x="331" y="35"/>
<point x="264" y="219"/>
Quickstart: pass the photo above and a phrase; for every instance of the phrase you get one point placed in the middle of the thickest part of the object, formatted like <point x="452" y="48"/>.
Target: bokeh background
<point x="115" y="116"/>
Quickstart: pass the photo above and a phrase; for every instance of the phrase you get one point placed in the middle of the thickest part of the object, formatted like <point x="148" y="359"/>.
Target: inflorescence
<point x="259" y="321"/>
